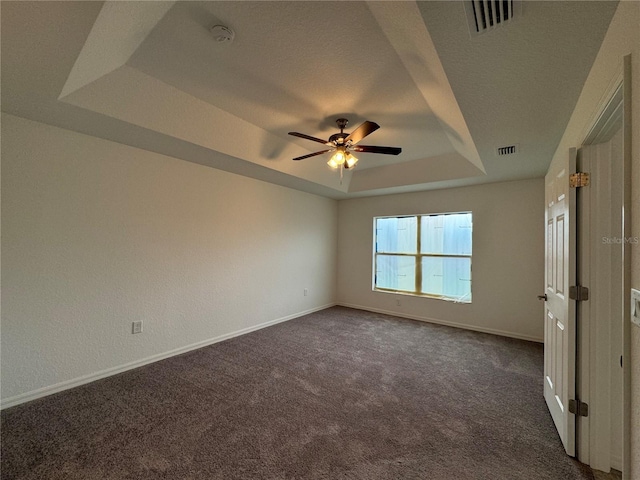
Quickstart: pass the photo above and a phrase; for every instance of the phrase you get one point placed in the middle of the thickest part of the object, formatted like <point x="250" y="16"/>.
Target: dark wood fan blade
<point x="376" y="149"/>
<point x="308" y="137"/>
<point x="311" y="155"/>
<point x="362" y="131"/>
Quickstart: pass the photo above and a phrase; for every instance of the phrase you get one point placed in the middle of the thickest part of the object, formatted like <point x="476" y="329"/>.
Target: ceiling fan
<point x="344" y="143"/>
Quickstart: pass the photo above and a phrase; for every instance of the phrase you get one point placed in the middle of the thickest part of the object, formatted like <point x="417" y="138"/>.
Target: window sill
<point x="462" y="300"/>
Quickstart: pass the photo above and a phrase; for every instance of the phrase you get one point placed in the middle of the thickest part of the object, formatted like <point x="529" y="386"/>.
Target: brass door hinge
<point x="580" y="179"/>
<point x="578" y="293"/>
<point x="578" y="408"/>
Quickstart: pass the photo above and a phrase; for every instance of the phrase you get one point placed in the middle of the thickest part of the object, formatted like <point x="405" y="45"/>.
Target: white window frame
<point x="418" y="256"/>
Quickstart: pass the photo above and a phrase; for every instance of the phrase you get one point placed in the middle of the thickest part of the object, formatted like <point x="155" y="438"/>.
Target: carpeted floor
<point x="339" y="394"/>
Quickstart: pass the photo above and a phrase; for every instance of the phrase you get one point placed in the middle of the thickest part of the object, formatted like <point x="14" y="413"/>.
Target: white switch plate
<point x="136" y="327"/>
<point x="635" y="306"/>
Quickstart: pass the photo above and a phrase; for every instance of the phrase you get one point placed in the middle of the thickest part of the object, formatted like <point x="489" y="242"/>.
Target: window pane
<point x="446" y="234"/>
<point x="396" y="235"/>
<point x="396" y="273"/>
<point x="447" y="276"/>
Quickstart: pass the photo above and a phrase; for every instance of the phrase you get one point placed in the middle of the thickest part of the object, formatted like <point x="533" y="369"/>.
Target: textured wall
<point x="97" y="235"/>
<point x="508" y="256"/>
<point x="622" y="38"/>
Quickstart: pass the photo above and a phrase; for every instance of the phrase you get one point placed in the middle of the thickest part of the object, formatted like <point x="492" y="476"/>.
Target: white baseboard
<point x="464" y="326"/>
<point x="76" y="382"/>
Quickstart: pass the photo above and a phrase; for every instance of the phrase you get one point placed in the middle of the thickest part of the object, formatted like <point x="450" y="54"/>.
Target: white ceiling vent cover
<point x="507" y="150"/>
<point x="484" y="15"/>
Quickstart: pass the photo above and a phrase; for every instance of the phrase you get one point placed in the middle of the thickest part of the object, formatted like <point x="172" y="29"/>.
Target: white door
<point x="559" y="314"/>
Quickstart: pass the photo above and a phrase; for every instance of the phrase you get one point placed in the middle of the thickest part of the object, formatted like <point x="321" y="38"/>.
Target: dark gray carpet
<point x="339" y="394"/>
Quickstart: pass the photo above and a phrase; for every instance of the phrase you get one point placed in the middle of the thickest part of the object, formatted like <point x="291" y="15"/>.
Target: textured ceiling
<point x="150" y="74"/>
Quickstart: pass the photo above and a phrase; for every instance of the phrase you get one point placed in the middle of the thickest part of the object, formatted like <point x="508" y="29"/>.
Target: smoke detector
<point x="222" y="34"/>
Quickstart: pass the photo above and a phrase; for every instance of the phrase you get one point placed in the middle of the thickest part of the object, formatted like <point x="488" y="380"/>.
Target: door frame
<point x="590" y="383"/>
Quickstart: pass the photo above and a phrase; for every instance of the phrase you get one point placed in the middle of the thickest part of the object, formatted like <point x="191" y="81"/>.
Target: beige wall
<point x="508" y="256"/>
<point x="98" y="234"/>
<point x="623" y="38"/>
<point x="634" y="33"/>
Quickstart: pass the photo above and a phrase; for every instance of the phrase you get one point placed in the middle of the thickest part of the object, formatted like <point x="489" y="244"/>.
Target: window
<point x="428" y="255"/>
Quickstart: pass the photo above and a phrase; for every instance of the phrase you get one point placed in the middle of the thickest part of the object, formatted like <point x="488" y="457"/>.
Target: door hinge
<point x="579" y="179"/>
<point x="578" y="408"/>
<point x="578" y="293"/>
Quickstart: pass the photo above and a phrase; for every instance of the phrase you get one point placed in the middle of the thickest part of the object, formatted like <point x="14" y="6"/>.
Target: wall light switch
<point x="136" y="327"/>
<point x="635" y="306"/>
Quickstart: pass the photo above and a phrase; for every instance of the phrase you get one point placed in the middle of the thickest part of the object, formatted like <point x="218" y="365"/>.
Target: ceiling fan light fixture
<point x="351" y="161"/>
<point x="342" y="158"/>
<point x="338" y="158"/>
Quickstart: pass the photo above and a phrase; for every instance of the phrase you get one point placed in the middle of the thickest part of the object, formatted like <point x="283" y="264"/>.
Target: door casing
<point x="592" y="383"/>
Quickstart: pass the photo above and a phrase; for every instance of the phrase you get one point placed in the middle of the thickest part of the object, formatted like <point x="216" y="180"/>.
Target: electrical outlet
<point x="136" y="327"/>
<point x="635" y="306"/>
<point x="306" y="291"/>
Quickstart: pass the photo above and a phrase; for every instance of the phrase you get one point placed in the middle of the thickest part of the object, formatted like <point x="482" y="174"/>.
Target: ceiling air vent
<point x="507" y="150"/>
<point x="484" y="15"/>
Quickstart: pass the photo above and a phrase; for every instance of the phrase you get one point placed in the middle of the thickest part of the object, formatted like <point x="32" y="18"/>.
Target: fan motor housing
<point x="338" y="138"/>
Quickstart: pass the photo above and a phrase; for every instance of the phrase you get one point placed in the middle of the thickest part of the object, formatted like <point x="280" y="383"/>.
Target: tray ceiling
<point x="151" y="75"/>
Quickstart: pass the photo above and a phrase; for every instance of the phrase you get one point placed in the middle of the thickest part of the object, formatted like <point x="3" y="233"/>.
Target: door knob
<point x="542" y="297"/>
